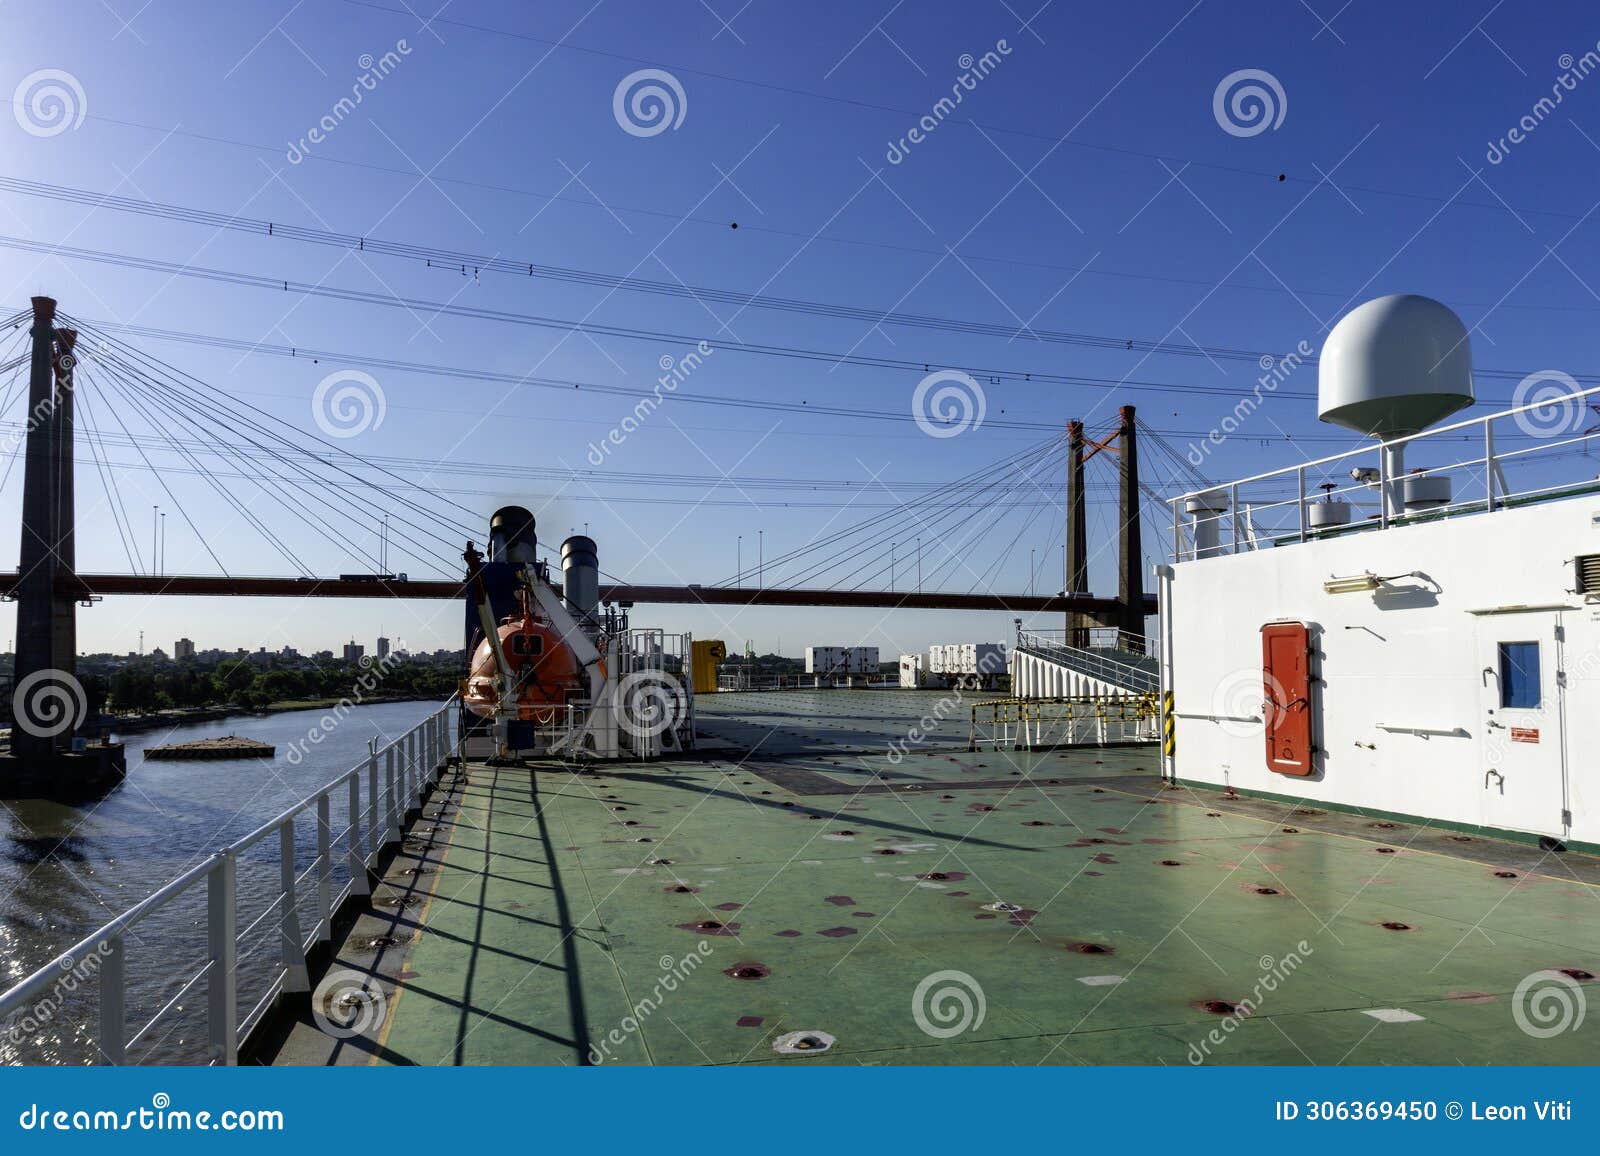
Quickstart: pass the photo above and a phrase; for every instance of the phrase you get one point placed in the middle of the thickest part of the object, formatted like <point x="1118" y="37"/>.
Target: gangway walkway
<point x="1046" y="665"/>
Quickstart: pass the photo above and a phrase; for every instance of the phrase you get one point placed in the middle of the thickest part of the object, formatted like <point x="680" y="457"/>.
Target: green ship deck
<point x="795" y="878"/>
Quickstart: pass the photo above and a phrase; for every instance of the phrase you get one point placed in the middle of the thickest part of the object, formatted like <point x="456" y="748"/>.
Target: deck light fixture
<point x="1352" y="584"/>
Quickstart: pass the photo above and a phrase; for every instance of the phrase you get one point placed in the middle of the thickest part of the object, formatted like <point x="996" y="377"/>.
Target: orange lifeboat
<point x="546" y="672"/>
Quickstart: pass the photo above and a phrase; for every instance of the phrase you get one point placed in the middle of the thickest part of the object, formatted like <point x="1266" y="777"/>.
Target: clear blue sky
<point x="1140" y="218"/>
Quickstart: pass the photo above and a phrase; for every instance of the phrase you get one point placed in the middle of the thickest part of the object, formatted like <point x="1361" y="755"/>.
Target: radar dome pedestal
<point x="1391" y="368"/>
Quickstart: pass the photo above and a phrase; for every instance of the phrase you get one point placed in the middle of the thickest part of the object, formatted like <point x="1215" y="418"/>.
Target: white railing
<point x="663" y="660"/>
<point x="381" y="790"/>
<point x="1082" y="720"/>
<point x="1102" y="638"/>
<point x="739" y="680"/>
<point x="1120" y="667"/>
<point x="1276" y="507"/>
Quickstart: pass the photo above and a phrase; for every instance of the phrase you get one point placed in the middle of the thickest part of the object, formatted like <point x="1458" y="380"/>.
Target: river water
<point x="64" y="871"/>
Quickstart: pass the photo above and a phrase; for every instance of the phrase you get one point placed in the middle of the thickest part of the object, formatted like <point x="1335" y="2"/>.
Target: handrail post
<point x="391" y="829"/>
<point x="402" y="773"/>
<point x="1300" y="475"/>
<point x="113" y="1000"/>
<point x="1383" y="487"/>
<point x="295" y="978"/>
<point x="1488" y="461"/>
<point x="358" y="866"/>
<point x="407" y="769"/>
<point x="324" y="930"/>
<point x="374" y="818"/>
<point x="1233" y="506"/>
<point x="222" y="921"/>
<point x="413" y="769"/>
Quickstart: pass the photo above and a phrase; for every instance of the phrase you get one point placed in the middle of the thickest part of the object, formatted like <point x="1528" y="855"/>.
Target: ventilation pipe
<point x="512" y="537"/>
<point x="580" y="578"/>
<point x="1207" y="509"/>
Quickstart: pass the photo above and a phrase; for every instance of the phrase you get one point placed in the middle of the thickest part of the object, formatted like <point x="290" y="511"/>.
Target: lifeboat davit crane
<point x="539" y="665"/>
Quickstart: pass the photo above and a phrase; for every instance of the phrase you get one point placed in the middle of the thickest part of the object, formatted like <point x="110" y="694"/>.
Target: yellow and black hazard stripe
<point x="1169" y="722"/>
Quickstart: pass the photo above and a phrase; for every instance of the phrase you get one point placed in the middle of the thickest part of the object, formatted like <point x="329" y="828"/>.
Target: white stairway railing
<point x="1130" y="671"/>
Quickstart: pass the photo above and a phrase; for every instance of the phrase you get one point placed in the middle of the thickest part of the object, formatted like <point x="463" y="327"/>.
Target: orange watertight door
<point x="1286" y="696"/>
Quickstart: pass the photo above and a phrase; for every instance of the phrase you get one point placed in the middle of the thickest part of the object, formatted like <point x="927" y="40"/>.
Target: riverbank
<point x="135" y="724"/>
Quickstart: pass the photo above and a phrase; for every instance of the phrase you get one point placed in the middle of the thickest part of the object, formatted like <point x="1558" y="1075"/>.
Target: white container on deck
<point x="911" y="671"/>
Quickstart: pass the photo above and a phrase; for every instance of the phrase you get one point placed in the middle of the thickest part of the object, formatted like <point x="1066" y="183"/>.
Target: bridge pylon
<point x="49" y="756"/>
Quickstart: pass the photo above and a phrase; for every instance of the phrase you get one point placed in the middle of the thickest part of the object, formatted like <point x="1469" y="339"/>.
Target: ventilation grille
<point x="1588" y="569"/>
